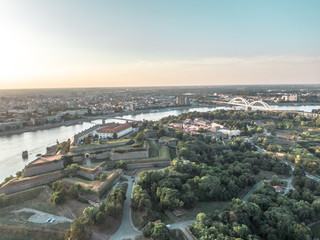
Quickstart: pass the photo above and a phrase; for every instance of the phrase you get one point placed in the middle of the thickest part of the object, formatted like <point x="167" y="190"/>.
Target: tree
<point x="140" y="198"/>
<point x="3" y="200"/>
<point x="87" y="140"/>
<point x="113" y="208"/>
<point x="275" y="180"/>
<point x="73" y="191"/>
<point x="57" y="197"/>
<point x="140" y="137"/>
<point x="160" y="232"/>
<point x="77" y="231"/>
<point x="89" y="215"/>
<point x="169" y="198"/>
<point x="115" y="136"/>
<point x="122" y="164"/>
<point x="103" y="177"/>
<point x="71" y="170"/>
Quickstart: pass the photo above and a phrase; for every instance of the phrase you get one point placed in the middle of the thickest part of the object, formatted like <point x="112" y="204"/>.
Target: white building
<point x="119" y="129"/>
<point x="230" y="133"/>
<point x="290" y="98"/>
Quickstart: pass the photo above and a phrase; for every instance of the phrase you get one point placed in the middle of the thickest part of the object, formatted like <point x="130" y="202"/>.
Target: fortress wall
<point x="97" y="147"/>
<point x="43" y="168"/>
<point x="129" y="155"/>
<point x="148" y="164"/>
<point x="96" y="171"/>
<point x="16" y="185"/>
<point x="88" y="175"/>
<point x="103" y="155"/>
<point x="77" y="159"/>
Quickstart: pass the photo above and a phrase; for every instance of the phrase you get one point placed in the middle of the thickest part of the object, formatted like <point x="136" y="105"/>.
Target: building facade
<point x="108" y="132"/>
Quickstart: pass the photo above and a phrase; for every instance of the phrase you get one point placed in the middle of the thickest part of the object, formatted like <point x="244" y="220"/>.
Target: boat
<point x="25" y="154"/>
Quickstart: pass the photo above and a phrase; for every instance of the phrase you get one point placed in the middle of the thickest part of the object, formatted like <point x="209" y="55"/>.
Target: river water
<point x="11" y="146"/>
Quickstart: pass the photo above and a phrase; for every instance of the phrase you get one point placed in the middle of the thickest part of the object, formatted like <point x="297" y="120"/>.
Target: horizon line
<point x="166" y="86"/>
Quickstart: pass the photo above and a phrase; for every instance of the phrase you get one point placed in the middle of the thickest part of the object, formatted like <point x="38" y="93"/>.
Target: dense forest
<point x="211" y="170"/>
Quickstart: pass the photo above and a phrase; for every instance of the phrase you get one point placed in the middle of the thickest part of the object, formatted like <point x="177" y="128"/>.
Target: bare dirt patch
<point x="75" y="207"/>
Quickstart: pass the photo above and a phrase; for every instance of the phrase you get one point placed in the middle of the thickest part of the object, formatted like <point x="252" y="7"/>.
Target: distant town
<point x="32" y="108"/>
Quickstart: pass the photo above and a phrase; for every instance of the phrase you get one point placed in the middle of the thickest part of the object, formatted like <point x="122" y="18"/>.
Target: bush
<point x="57" y="197"/>
<point x="7" y="179"/>
<point x="122" y="164"/>
<point x="71" y="169"/>
<point x="103" y="177"/>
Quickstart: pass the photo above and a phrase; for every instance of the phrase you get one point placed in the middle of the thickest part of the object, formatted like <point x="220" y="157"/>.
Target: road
<point x="126" y="229"/>
<point x="289" y="185"/>
<point x="182" y="226"/>
<point x="255" y="187"/>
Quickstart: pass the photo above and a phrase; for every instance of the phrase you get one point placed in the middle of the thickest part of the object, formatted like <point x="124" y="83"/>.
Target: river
<point x="11" y="146"/>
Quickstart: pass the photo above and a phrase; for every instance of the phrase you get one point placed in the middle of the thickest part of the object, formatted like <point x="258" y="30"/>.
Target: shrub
<point x="103" y="177"/>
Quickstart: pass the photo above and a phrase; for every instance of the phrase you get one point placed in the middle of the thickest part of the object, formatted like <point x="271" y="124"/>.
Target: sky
<point x="120" y="43"/>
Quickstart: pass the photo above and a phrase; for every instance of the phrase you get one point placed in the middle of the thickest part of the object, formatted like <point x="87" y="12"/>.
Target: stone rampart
<point x="103" y="155"/>
<point x="77" y="159"/>
<point x="92" y="174"/>
<point x="17" y="185"/>
<point x="97" y="147"/>
<point x="129" y="155"/>
<point x="148" y="164"/>
<point x="38" y="169"/>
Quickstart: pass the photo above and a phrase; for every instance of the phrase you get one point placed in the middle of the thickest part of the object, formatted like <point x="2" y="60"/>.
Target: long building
<point x="108" y="132"/>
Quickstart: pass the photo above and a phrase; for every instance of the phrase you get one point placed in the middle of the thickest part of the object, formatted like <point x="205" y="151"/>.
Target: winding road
<point x="126" y="229"/>
<point x="182" y="226"/>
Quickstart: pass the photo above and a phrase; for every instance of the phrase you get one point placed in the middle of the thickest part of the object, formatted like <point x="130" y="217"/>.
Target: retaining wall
<point x="148" y="164"/>
<point x="103" y="155"/>
<point x="97" y="147"/>
<point x="77" y="159"/>
<point x="38" y="169"/>
<point x="129" y="155"/>
<point x="17" y="185"/>
<point x="95" y="172"/>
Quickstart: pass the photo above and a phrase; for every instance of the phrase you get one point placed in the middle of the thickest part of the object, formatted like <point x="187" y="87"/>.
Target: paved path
<point x="126" y="229"/>
<point x="255" y="187"/>
<point x="182" y="226"/>
<point x="42" y="217"/>
<point x="289" y="184"/>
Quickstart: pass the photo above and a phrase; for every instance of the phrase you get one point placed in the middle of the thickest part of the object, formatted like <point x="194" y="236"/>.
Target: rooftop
<point x="115" y="128"/>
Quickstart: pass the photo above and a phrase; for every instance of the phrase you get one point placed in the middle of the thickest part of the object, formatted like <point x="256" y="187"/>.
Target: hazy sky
<point x="79" y="43"/>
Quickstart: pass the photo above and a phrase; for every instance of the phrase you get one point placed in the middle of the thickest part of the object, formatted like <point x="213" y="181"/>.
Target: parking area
<point x="42" y="217"/>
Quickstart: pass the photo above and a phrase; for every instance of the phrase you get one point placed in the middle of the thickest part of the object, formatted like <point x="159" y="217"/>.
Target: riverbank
<point x="121" y="114"/>
<point x="295" y="104"/>
<point x="92" y="118"/>
<point x="44" y="127"/>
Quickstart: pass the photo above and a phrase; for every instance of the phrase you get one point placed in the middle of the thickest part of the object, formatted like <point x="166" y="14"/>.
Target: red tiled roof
<point x="115" y="128"/>
<point x="278" y="188"/>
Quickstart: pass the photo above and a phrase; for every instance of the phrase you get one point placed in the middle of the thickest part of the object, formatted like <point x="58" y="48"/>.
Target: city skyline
<point x="57" y="44"/>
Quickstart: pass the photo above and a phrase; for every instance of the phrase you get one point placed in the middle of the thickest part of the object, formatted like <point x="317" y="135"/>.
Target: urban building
<point x="108" y="132"/>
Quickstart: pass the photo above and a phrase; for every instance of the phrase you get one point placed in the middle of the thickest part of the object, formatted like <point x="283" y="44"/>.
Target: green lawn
<point x="190" y="214"/>
<point x="41" y="203"/>
<point x="76" y="180"/>
<point x="22" y="196"/>
<point x="153" y="149"/>
<point x="315" y="229"/>
<point x="10" y="237"/>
